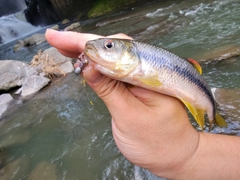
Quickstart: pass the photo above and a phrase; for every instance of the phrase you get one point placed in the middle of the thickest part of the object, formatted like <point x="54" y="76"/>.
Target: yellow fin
<point x="220" y="121"/>
<point x="197" y="113"/>
<point x="196" y="65"/>
<point x="151" y="81"/>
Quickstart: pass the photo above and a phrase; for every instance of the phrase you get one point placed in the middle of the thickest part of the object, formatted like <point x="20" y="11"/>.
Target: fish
<point x="156" y="69"/>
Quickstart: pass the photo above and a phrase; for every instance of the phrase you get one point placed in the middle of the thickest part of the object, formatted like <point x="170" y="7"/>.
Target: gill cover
<point x="122" y="54"/>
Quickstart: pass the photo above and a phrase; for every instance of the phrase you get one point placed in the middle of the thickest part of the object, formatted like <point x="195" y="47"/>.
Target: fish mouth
<point x="91" y="52"/>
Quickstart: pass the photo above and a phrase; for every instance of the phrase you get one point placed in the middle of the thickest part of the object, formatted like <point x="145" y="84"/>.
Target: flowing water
<point x="14" y="26"/>
<point x="60" y="133"/>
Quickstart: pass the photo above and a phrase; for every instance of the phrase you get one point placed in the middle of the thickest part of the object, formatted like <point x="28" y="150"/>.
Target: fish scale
<point x="162" y="58"/>
<point x="156" y="69"/>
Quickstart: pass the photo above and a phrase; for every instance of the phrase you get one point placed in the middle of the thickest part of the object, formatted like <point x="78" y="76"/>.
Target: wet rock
<point x="34" y="39"/>
<point x="65" y="21"/>
<point x="229" y="101"/>
<point x="55" y="27"/>
<point x="2" y="157"/>
<point x="44" y="170"/>
<point x="5" y="102"/>
<point x="16" y="74"/>
<point x="14" y="137"/>
<point x="102" y="7"/>
<point x="15" y="170"/>
<point x="52" y="11"/>
<point x="221" y="53"/>
<point x="33" y="84"/>
<point x="52" y="63"/>
<point x="18" y="46"/>
<point x="72" y="27"/>
<point x="13" y="73"/>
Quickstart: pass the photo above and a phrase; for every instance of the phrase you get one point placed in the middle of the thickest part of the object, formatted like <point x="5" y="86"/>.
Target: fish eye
<point x="108" y="44"/>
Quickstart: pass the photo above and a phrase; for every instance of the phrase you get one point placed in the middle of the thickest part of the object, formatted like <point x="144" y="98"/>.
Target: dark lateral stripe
<point x="152" y="54"/>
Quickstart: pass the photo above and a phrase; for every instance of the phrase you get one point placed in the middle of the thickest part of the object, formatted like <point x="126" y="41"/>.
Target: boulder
<point x="14" y="137"/>
<point x="55" y="27"/>
<point x="221" y="53"/>
<point x="52" y="63"/>
<point x="72" y="26"/>
<point x="102" y="7"/>
<point x="42" y="12"/>
<point x="13" y="73"/>
<point x="15" y="169"/>
<point x="228" y="101"/>
<point x="5" y="102"/>
<point x="34" y="39"/>
<point x="44" y="170"/>
<point x="33" y="84"/>
<point x="65" y="21"/>
<point x="18" y="46"/>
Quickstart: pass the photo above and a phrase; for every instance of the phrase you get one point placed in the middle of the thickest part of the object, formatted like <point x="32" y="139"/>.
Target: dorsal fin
<point x="195" y="64"/>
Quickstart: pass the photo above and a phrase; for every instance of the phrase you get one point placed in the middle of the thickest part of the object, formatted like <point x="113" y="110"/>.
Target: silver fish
<point x="156" y="69"/>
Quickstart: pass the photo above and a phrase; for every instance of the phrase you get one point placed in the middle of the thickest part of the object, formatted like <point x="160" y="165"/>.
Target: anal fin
<point x="220" y="121"/>
<point x="197" y="113"/>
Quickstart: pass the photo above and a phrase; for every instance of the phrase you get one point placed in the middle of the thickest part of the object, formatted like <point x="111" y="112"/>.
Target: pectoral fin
<point x="197" y="113"/>
<point x="220" y="121"/>
<point x="151" y="81"/>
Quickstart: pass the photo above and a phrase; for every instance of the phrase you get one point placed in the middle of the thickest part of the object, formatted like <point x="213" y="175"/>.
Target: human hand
<point x="151" y="130"/>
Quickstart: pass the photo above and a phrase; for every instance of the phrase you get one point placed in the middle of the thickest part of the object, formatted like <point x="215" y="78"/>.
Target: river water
<point x="58" y="132"/>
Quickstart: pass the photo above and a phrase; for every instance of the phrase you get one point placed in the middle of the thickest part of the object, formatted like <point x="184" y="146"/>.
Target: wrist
<point x="181" y="150"/>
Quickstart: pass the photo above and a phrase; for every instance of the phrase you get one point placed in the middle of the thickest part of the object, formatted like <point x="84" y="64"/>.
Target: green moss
<point x="102" y="7"/>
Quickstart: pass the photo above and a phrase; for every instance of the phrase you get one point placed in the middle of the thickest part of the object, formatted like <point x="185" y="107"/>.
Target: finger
<point x="69" y="41"/>
<point x="151" y="98"/>
<point x="69" y="54"/>
<point x="120" y="36"/>
<point x="114" y="93"/>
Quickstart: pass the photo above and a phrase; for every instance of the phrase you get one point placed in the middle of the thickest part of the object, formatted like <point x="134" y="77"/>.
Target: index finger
<point x="67" y="42"/>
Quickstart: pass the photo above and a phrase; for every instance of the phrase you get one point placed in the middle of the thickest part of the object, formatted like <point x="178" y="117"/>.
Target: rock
<point x="41" y="12"/>
<point x="228" y="100"/>
<point x="102" y="7"/>
<point x="34" y="39"/>
<point x="221" y="53"/>
<point x="5" y="102"/>
<point x="52" y="11"/>
<point x="56" y="55"/>
<point x="18" y="46"/>
<point x="44" y="170"/>
<point x="65" y="21"/>
<point x="55" y="27"/>
<point x="14" y="137"/>
<point x="63" y="63"/>
<point x="33" y="84"/>
<point x="66" y="67"/>
<point x="15" y="169"/>
<point x="13" y="73"/>
<point x="52" y="63"/>
<point x="16" y="74"/>
<point x="72" y="26"/>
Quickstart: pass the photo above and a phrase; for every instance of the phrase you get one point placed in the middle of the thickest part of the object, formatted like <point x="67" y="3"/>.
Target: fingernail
<point x="92" y="76"/>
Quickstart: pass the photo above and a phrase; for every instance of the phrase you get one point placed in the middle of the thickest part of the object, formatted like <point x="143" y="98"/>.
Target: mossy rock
<point x="102" y="7"/>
